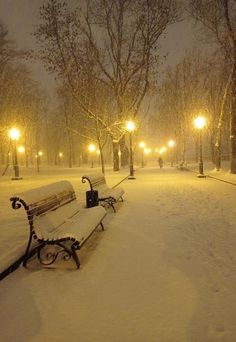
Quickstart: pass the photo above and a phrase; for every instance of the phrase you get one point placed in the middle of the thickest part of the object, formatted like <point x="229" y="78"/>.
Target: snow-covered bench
<point x="107" y="195"/>
<point x="57" y="219"/>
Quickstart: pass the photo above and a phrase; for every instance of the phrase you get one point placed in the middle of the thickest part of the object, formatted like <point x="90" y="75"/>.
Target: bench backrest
<point x="46" y="199"/>
<point x="96" y="180"/>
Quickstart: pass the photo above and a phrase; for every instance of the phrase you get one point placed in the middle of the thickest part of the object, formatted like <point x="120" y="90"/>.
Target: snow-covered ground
<point x="14" y="225"/>
<point x="209" y="170"/>
<point x="163" y="270"/>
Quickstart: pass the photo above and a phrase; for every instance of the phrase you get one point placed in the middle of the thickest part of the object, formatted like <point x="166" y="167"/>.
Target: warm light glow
<point x="200" y="122"/>
<point x="40" y="153"/>
<point x="119" y="153"/>
<point x="14" y="134"/>
<point x="147" y="150"/>
<point x="130" y="126"/>
<point x="91" y="148"/>
<point x="171" y="143"/>
<point x="21" y="149"/>
<point x="156" y="150"/>
<point x="162" y="150"/>
<point x="98" y="152"/>
<point x="142" y="144"/>
<point x="60" y="154"/>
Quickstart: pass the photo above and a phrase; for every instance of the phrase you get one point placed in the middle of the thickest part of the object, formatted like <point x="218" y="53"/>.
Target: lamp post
<point x="60" y="155"/>
<point x="21" y="150"/>
<point x="171" y="144"/>
<point x="162" y="150"/>
<point x="38" y="159"/>
<point x="92" y="149"/>
<point x="142" y="146"/>
<point x="200" y="123"/>
<point x="147" y="151"/>
<point x="14" y="135"/>
<point x="130" y="126"/>
<point x="160" y="160"/>
<point x="98" y="153"/>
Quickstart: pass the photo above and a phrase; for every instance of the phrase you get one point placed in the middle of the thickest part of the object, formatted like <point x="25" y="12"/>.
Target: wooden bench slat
<point x="108" y="195"/>
<point x="56" y="217"/>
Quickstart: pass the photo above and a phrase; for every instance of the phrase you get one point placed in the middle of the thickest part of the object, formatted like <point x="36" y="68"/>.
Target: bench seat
<point x="77" y="227"/>
<point x="106" y="194"/>
<point x="115" y="193"/>
<point x="56" y="218"/>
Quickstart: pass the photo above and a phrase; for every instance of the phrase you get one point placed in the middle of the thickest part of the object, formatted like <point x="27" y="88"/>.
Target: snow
<point x="14" y="224"/>
<point x="163" y="270"/>
<point x="103" y="190"/>
<point x="40" y="193"/>
<point x="222" y="174"/>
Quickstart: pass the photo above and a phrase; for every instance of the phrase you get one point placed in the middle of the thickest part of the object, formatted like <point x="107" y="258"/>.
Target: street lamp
<point x="14" y="135"/>
<point x="60" y="157"/>
<point x="92" y="149"/>
<point x="171" y="144"/>
<point x="162" y="150"/>
<point x="98" y="153"/>
<point x="142" y="146"/>
<point x="147" y="151"/>
<point x="200" y="123"/>
<point x="38" y="159"/>
<point x="130" y="126"/>
<point x="119" y="155"/>
<point x="21" y="149"/>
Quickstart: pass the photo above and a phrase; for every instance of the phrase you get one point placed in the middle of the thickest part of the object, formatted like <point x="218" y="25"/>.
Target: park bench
<point x="57" y="219"/>
<point x="106" y="194"/>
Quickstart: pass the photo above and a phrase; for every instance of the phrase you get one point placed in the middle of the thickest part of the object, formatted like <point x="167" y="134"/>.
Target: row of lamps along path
<point x="199" y="123"/>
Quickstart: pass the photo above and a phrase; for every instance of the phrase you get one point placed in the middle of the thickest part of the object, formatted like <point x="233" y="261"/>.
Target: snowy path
<point x="163" y="271"/>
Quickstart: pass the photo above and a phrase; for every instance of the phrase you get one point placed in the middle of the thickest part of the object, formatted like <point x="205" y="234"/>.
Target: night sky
<point x="20" y="17"/>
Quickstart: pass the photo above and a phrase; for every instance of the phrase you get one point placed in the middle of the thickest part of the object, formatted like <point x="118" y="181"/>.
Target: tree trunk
<point x="218" y="142"/>
<point x="233" y="123"/>
<point x="196" y="151"/>
<point x="101" y="156"/>
<point x="70" y="151"/>
<point x="183" y="150"/>
<point x="115" y="147"/>
<point x="124" y="158"/>
<point x="26" y="158"/>
<point x="217" y="154"/>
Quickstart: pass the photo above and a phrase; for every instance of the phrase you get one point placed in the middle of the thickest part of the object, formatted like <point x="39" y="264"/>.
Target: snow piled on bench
<point x="46" y="191"/>
<point x="163" y="270"/>
<point x="14" y="230"/>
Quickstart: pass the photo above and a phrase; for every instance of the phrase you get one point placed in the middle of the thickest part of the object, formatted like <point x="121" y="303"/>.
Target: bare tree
<point x="218" y="17"/>
<point x="192" y="86"/>
<point x="110" y="44"/>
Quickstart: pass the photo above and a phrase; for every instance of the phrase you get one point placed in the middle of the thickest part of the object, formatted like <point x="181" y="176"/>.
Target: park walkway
<point x="163" y="271"/>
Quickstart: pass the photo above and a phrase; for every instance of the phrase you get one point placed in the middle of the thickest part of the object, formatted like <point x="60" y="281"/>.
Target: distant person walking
<point x="160" y="162"/>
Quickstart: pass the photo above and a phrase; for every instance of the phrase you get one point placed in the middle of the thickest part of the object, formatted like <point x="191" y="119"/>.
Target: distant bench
<point x="106" y="195"/>
<point x="56" y="218"/>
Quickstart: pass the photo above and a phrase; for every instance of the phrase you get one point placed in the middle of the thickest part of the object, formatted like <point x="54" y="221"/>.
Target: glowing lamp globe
<point x="14" y="133"/>
<point x="171" y="143"/>
<point x="92" y="148"/>
<point x="142" y="144"/>
<point x="130" y="126"/>
<point x="147" y="151"/>
<point x="21" y="149"/>
<point x="200" y="122"/>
